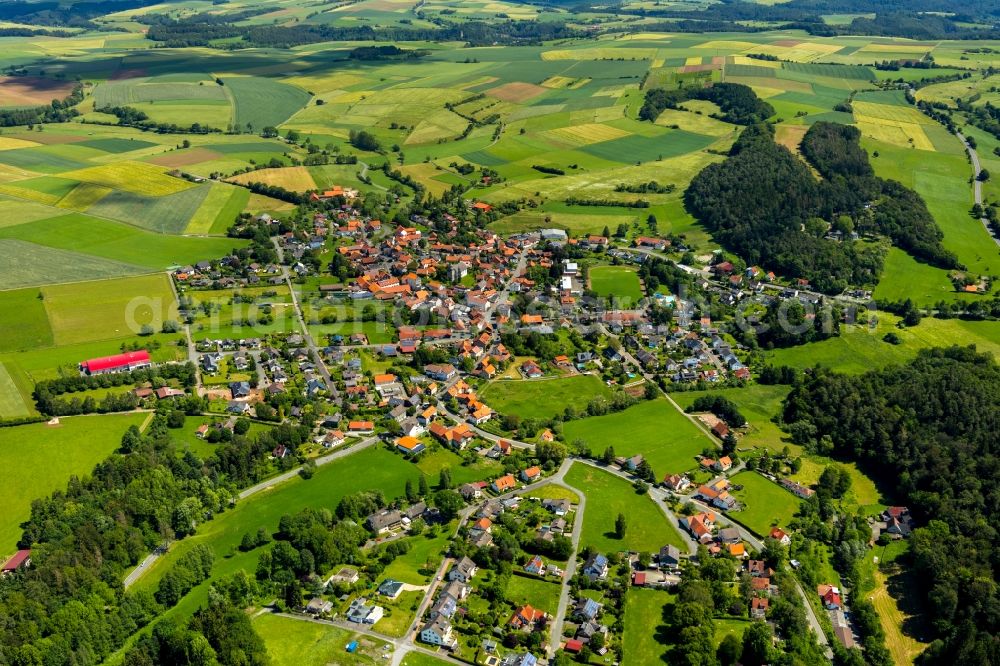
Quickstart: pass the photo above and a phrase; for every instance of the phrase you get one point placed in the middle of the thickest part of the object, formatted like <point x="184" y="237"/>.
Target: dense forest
<point x="928" y="431"/>
<point x="764" y="204"/>
<point x="738" y="103"/>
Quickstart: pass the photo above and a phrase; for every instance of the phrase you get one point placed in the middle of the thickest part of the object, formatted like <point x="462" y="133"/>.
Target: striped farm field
<point x="582" y="135"/>
<point x="83" y="196"/>
<point x="599" y="53"/>
<point x="168" y="214"/>
<point x="137" y="177"/>
<point x="294" y="179"/>
<point x="896" y="133"/>
<point x="12" y="405"/>
<point x="871" y="111"/>
<point x="10" y="143"/>
<point x="220" y="201"/>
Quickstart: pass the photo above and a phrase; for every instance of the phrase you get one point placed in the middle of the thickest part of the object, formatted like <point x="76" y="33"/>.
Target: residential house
<point x="391" y="588"/>
<point x="409" y="445"/>
<point x="669" y="557"/>
<point x="470" y="491"/>
<point x="318" y="606"/>
<point x="830" y="594"/>
<point x="360" y="612"/>
<point x="596" y="567"/>
<point x="513" y="659"/>
<point x="700" y="526"/>
<point x="728" y="535"/>
<point x="535" y="566"/>
<point x="239" y="390"/>
<point x="723" y="464"/>
<point x="797" y="488"/>
<point x="898" y="521"/>
<point x="559" y="507"/>
<point x="504" y="484"/>
<point x="384" y="521"/>
<point x="438" y="632"/>
<point x="526" y="617"/>
<point x="586" y="609"/>
<point x="361" y="427"/>
<point x="677" y="482"/>
<point x="19" y="560"/>
<point x="758" y="607"/>
<point x="463" y="571"/>
<point x="441" y="372"/>
<point x="531" y="474"/>
<point x="780" y="536"/>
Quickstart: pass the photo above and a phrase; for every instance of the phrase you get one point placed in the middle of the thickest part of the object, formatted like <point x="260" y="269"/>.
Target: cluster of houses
<point x="437" y="629"/>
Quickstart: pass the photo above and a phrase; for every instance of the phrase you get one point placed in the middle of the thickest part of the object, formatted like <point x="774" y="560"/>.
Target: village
<point x="401" y="352"/>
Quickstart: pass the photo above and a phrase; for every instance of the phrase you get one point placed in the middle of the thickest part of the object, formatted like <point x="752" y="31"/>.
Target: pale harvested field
<point x="516" y="92"/>
<point x="293" y="179"/>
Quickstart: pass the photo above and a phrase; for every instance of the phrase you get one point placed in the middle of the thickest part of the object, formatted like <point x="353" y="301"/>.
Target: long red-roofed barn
<point x="21" y="558"/>
<point x="127" y="362"/>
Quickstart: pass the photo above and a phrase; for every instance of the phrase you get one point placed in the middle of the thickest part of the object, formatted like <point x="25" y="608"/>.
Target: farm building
<point x="107" y="365"/>
<point x="21" y="558"/>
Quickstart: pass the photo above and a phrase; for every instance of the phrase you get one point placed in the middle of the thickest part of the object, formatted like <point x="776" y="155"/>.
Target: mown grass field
<point x="759" y="403"/>
<point x="665" y="437"/>
<point x="620" y="282"/>
<point x="644" y="611"/>
<point x="542" y="398"/>
<point x="39" y="459"/>
<point x="607" y="496"/>
<point x="87" y="311"/>
<point x="292" y="642"/>
<point x="765" y="503"/>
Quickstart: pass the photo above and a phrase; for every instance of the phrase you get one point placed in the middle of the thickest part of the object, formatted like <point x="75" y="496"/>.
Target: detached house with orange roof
<point x="504" y="484"/>
<point x="409" y="445"/>
<point x="526" y="617"/>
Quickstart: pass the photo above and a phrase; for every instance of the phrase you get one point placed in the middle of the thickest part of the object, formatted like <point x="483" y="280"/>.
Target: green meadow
<point x="52" y="454"/>
<point x="542" y="398"/>
<point x="764" y="502"/>
<point x="664" y="436"/>
<point x="619" y="282"/>
<point x="644" y="610"/>
<point x="607" y="495"/>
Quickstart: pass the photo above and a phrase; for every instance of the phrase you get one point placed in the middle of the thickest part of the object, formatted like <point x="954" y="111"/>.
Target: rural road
<point x="977" y="185"/>
<point x="556" y="628"/>
<point x="306" y="335"/>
